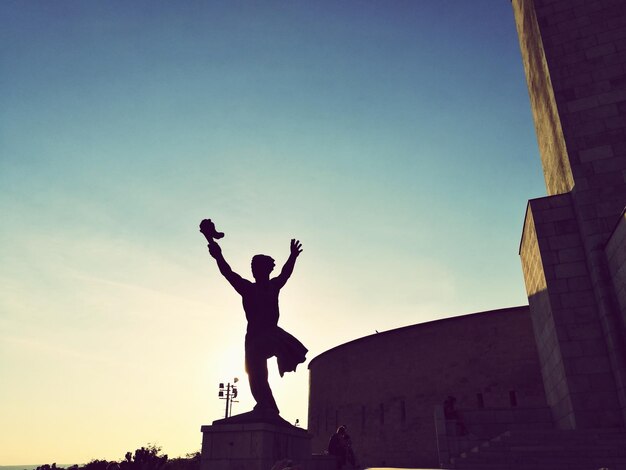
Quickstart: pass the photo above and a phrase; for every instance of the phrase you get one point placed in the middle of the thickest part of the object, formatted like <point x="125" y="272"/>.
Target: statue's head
<point x="262" y="266"/>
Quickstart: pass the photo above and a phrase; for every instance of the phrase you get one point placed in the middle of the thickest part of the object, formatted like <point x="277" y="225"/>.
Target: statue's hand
<point x="214" y="249"/>
<point x="296" y="247"/>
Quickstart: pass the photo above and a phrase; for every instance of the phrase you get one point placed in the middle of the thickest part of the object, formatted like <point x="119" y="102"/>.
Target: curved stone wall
<point x="385" y="387"/>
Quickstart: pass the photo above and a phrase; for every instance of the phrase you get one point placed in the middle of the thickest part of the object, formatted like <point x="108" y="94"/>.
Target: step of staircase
<point x="547" y="450"/>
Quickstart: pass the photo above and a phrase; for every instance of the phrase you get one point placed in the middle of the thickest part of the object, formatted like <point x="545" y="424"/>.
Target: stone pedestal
<point x="253" y="446"/>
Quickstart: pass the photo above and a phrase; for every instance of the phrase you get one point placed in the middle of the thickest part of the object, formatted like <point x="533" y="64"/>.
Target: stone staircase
<point x="547" y="450"/>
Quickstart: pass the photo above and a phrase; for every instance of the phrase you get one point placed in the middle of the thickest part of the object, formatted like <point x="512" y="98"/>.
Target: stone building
<point x="572" y="248"/>
<point x="561" y="362"/>
<point x="385" y="387"/>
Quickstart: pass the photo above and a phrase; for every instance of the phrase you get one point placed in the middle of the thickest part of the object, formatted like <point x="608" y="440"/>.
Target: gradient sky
<point x="393" y="138"/>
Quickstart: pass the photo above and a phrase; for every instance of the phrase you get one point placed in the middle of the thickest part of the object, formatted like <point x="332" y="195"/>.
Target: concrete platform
<point x="253" y="446"/>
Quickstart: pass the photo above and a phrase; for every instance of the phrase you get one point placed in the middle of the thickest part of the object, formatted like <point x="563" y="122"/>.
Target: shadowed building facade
<point x="384" y="387"/>
<point x="572" y="248"/>
<point x="557" y="368"/>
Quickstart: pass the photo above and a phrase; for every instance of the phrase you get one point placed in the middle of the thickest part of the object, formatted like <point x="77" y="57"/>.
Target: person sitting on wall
<point x="452" y="414"/>
<point x="350" y="456"/>
<point x="449" y="408"/>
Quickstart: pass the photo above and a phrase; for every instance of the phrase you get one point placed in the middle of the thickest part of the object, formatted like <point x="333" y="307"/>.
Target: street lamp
<point x="228" y="393"/>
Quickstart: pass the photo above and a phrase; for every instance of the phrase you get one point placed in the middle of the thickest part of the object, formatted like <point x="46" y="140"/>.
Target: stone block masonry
<point x="565" y="317"/>
<point x="254" y="446"/>
<point x="574" y="54"/>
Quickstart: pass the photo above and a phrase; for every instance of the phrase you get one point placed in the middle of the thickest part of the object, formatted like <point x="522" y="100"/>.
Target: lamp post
<point x="228" y="393"/>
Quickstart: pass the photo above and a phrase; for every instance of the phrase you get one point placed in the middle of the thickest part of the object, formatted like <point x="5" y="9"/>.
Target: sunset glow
<point x="394" y="139"/>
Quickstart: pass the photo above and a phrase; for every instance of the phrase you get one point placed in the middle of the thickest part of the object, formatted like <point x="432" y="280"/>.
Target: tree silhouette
<point x="144" y="458"/>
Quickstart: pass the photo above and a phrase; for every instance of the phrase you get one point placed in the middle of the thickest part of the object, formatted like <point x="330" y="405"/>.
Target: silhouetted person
<point x="264" y="338"/>
<point x="350" y="455"/>
<point x="449" y="408"/>
<point x="339" y="445"/>
<point x="452" y="414"/>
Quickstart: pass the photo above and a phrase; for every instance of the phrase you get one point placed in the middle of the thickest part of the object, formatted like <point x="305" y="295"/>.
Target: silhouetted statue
<point x="264" y="339"/>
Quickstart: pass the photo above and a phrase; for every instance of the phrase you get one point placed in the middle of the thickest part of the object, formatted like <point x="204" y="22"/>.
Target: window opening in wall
<point x="363" y="418"/>
<point x="382" y="414"/>
<point x="513" y="398"/>
<point x="402" y="412"/>
<point x="479" y="400"/>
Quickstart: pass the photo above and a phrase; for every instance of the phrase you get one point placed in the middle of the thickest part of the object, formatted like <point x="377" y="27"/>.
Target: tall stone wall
<point x="545" y="331"/>
<point x="574" y="53"/>
<point x="575" y="365"/>
<point x="556" y="167"/>
<point x="385" y="387"/>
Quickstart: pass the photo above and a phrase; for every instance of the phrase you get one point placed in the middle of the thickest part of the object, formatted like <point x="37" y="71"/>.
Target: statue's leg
<point x="259" y="386"/>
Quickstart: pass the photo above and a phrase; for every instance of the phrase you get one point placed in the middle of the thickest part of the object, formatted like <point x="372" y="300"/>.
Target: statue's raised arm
<point x="285" y="273"/>
<point x="207" y="227"/>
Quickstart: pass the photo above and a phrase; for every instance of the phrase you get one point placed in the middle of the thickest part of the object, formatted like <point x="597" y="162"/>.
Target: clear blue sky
<point x="393" y="138"/>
